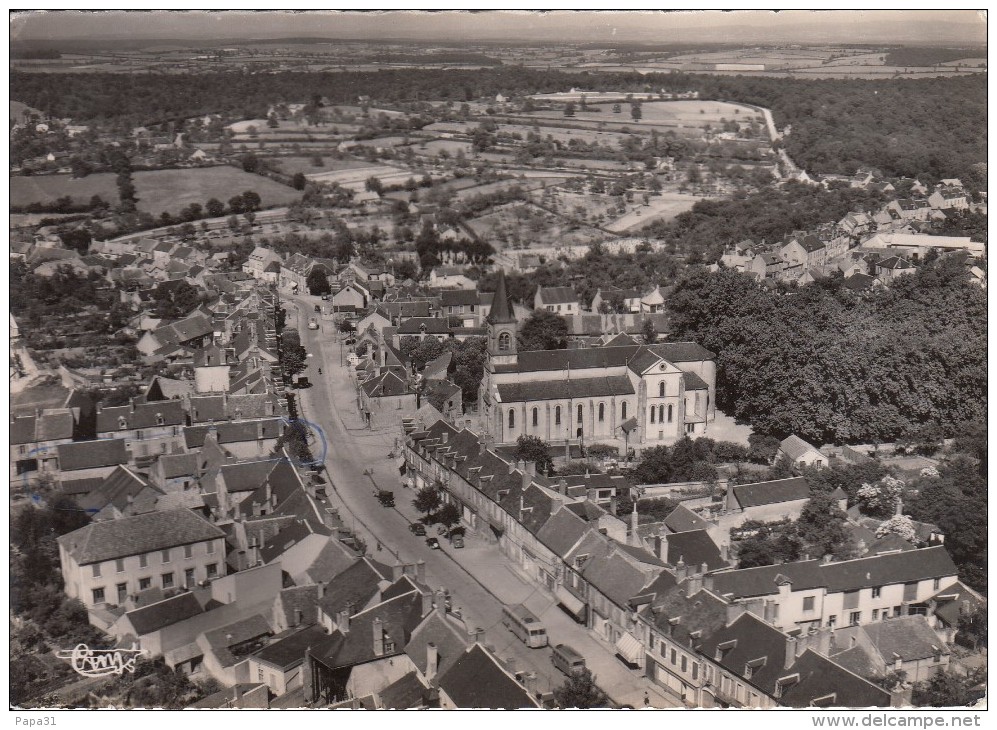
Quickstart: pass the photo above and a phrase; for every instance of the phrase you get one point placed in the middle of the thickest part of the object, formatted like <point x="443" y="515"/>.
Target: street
<point x="479" y="576"/>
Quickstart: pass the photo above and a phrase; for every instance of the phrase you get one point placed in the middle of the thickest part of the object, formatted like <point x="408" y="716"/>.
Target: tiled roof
<point x="222" y="640"/>
<point x="951" y="599"/>
<point x="615" y="577"/>
<point x="774" y="492"/>
<point x="562" y="531"/>
<point x="100" y="541"/>
<point x="287" y="649"/>
<point x="179" y="465"/>
<point x="140" y="415"/>
<point x="228" y="433"/>
<point x="564" y="389"/>
<point x="459" y="297"/>
<point x="557" y="295"/>
<point x="909" y="637"/>
<point x="403" y="694"/>
<point x="794" y="447"/>
<point x="386" y="385"/>
<point x="603" y="357"/>
<point x="830" y="684"/>
<point x="694" y="382"/>
<point x="881" y="570"/>
<point x="429" y="325"/>
<point x="683" y="519"/>
<point x="55" y="424"/>
<point x="399" y="618"/>
<point x="451" y="642"/>
<point x="164" y="613"/>
<point x="694" y="548"/>
<point x="92" y="454"/>
<point x="22" y="430"/>
<point x="749" y="641"/>
<point x="477" y="681"/>
<point x="120" y="488"/>
<point x="761" y="581"/>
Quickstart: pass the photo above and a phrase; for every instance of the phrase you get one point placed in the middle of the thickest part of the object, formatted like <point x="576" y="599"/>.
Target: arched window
<point x="602" y="412"/>
<point x="504" y="342"/>
<point x="623" y="410"/>
<point x="669" y="414"/>
<point x="557" y="415"/>
<point x="654" y="412"/>
<point x="581" y="413"/>
<point x="661" y="389"/>
<point x="512" y="418"/>
<point x="661" y="413"/>
<point x="536" y="417"/>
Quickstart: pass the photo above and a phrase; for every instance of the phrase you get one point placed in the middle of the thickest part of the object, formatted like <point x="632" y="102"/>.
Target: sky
<point x="960" y="27"/>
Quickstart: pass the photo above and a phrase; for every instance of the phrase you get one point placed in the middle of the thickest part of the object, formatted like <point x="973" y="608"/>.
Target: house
<point x="817" y="594"/>
<point x="443" y="395"/>
<point x="352" y="295"/>
<point x="450" y="277"/>
<point x="892" y="268"/>
<point x="462" y="304"/>
<point x="477" y="680"/>
<point x="947" y="197"/>
<point x="559" y="299"/>
<point x="243" y="439"/>
<point x="34" y="441"/>
<point x="916" y="246"/>
<point x="279" y="663"/>
<point x="90" y="459"/>
<point x="122" y="493"/>
<point x="263" y="264"/>
<point x="149" y="429"/>
<point x="898" y="644"/>
<point x="626" y="299"/>
<point x="105" y="562"/>
<point x="804" y="250"/>
<point x="386" y="394"/>
<point x="762" y="501"/>
<point x="653" y="302"/>
<point x="799" y="453"/>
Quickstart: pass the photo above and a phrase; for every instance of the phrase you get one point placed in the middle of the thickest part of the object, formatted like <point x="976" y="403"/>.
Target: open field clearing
<point x="157" y="190"/>
<point x="519" y="225"/>
<point x="663" y="207"/>
<point x="292" y="165"/>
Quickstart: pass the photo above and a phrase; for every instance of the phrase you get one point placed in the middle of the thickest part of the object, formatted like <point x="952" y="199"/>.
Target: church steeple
<point x="501" y="325"/>
<point x="501" y="311"/>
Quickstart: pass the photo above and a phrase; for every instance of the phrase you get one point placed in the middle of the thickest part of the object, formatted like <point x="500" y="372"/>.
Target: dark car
<point x="418" y="529"/>
<point x="433" y="543"/>
<point x="351" y="341"/>
<point x="318" y="308"/>
<point x="457" y="541"/>
<point x="387" y="499"/>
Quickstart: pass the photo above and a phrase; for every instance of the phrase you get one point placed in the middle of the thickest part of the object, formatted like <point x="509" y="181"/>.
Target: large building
<point x="635" y="395"/>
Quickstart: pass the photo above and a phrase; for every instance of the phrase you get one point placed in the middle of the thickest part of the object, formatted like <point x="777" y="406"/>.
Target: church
<point x="632" y="396"/>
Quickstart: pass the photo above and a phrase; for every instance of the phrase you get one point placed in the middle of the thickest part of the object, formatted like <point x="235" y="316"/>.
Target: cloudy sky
<point x="887" y="26"/>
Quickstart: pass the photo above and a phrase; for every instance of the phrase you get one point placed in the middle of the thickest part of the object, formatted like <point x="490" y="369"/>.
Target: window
<point x="122" y="589"/>
<point x="898" y="611"/>
<point x="831" y="621"/>
<point x="119" y="565"/>
<point x="96" y="570"/>
<point x="661" y="414"/>
<point x="212" y="570"/>
<point x="581" y="413"/>
<point x="98" y="595"/>
<point x="623" y="410"/>
<point x="536" y="418"/>
<point x="653" y="413"/>
<point x="557" y="415"/>
<point x="854" y="617"/>
<point x="143" y="560"/>
<point x="937" y="583"/>
<point x="808" y="603"/>
<point x="690" y="428"/>
<point x="504" y="342"/>
<point x="188" y="577"/>
<point x="669" y="414"/>
<point x="211" y="548"/>
<point x="661" y="389"/>
<point x="876" y="592"/>
<point x="144" y="583"/>
<point x="602" y="412"/>
<point x="875" y="614"/>
<point x="188" y="551"/>
<point x="166" y="555"/>
<point x="673" y="657"/>
<point x="695" y="670"/>
<point x="685" y="663"/>
<point x="167" y="580"/>
<point x="512" y="418"/>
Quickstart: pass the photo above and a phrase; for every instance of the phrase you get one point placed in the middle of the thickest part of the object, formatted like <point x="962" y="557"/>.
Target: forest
<point x="832" y="366"/>
<point x="932" y="128"/>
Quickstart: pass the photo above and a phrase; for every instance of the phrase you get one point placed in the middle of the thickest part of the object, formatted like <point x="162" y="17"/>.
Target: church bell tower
<point x="501" y="326"/>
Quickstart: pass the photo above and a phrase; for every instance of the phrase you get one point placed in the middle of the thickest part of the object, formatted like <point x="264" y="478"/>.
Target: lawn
<point x="157" y="190"/>
<point x="292" y="165"/>
<point x="662" y="207"/>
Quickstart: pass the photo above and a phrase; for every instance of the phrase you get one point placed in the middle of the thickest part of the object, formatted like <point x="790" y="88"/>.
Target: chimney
<point x="482" y="446"/>
<point x="708" y="582"/>
<point x="527" y="479"/>
<point x="612" y="505"/>
<point x="694" y="584"/>
<point x="298" y="617"/>
<point x="790" y="659"/>
<point x="703" y="567"/>
<point x="531" y="468"/>
<point x="420" y="571"/>
<point x="663" y="544"/>
<point x="734" y="611"/>
<point x="343" y="621"/>
<point x="681" y="571"/>
<point x="634" y="521"/>
<point x="441" y="602"/>
<point x="562" y="486"/>
<point x="725" y="552"/>
<point x="397" y="571"/>
<point x="432" y="661"/>
<point x="378" y="630"/>
<point x="444" y="436"/>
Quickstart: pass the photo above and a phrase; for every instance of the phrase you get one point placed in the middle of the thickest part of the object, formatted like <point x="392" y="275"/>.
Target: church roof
<point x="501" y="311"/>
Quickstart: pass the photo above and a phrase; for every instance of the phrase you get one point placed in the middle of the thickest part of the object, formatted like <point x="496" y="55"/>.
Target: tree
<point x="543" y="330"/>
<point x="215" y="208"/>
<point x="580" y="692"/>
<point x="635" y="112"/>
<point x="898" y="525"/>
<point x="251" y="200"/>
<point x="293" y="357"/>
<point x="448" y="516"/>
<point x="426" y="500"/>
<point x="298" y="181"/>
<point x="536" y="450"/>
<point x="947" y="689"/>
<point x="249" y="162"/>
<point x="973" y="627"/>
<point x="880" y="499"/>
<point x="569" y="109"/>
<point x="317" y="281"/>
<point x="649" y="332"/>
<point x="373" y="184"/>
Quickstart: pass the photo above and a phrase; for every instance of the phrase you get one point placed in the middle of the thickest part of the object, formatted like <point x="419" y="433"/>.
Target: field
<point x="356" y="177"/>
<point x="520" y="225"/>
<point x="661" y="207"/>
<point x="157" y="190"/>
<point x="292" y="165"/>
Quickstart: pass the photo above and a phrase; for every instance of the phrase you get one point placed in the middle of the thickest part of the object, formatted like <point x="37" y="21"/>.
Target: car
<point x="457" y="541"/>
<point x="318" y="308"/>
<point x="433" y="543"/>
<point x="418" y="528"/>
<point x="386" y="498"/>
<point x="325" y="297"/>
<point x="351" y="341"/>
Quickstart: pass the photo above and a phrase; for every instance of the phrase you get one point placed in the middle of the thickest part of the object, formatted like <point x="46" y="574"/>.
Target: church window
<point x="661" y="389"/>
<point x="536" y="418"/>
<point x="512" y="418"/>
<point x="557" y="415"/>
<point x="661" y="414"/>
<point x="623" y="410"/>
<point x="669" y="414"/>
<point x="504" y="342"/>
<point x="581" y="413"/>
<point x="653" y="414"/>
<point x="602" y="412"/>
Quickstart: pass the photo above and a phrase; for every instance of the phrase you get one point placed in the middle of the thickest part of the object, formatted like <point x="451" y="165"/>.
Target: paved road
<point x="479" y="576"/>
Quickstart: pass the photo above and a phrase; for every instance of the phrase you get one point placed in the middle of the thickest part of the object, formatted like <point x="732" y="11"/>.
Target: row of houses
<point x="671" y="605"/>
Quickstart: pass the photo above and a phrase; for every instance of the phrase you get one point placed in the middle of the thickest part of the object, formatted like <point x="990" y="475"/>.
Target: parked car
<point x="386" y="498"/>
<point x="312" y="324"/>
<point x="433" y="543"/>
<point x="325" y="297"/>
<point x="351" y="341"/>
<point x="418" y="528"/>
<point x="457" y="541"/>
<point x="318" y="308"/>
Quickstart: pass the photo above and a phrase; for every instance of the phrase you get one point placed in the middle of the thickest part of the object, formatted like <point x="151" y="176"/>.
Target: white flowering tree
<point x="880" y="499"/>
<point x="898" y="525"/>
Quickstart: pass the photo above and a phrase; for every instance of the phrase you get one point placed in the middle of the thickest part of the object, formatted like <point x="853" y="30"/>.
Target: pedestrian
<point x="647" y="699"/>
<point x="378" y="547"/>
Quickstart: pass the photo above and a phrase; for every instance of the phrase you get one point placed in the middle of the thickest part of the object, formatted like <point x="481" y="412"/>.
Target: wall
<point x="375" y="676"/>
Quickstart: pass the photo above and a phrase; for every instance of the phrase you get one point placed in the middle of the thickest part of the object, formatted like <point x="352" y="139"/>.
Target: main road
<point x="359" y="460"/>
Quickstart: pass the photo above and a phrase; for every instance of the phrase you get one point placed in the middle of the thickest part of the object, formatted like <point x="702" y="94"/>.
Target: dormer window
<point x="122" y="422"/>
<point x="159" y="419"/>
<point x="581" y="560"/>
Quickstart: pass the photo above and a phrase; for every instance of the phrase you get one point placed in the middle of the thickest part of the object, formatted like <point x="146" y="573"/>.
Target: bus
<point x="525" y="625"/>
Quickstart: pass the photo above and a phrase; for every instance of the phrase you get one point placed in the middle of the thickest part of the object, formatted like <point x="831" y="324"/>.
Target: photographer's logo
<point x="100" y="662"/>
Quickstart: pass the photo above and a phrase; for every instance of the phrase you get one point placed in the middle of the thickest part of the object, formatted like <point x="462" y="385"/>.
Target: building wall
<point x="276" y="679"/>
<point x="213" y="379"/>
<point x="80" y="580"/>
<point x="375" y="676"/>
